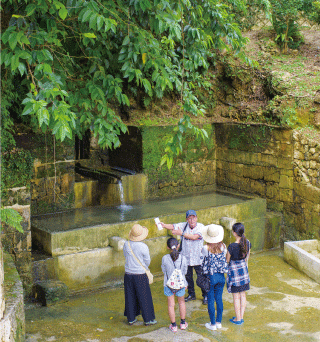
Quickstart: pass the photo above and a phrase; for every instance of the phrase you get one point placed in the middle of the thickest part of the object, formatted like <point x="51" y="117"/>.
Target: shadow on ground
<point x="283" y="305"/>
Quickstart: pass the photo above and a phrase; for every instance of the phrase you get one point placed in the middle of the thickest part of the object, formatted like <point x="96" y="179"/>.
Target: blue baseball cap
<point x="191" y="212"/>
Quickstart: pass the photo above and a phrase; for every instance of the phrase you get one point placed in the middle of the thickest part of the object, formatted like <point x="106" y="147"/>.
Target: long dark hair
<point x="238" y="228"/>
<point x="173" y="244"/>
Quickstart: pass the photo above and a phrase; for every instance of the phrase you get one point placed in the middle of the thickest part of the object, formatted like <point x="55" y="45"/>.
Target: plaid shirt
<point x="237" y="274"/>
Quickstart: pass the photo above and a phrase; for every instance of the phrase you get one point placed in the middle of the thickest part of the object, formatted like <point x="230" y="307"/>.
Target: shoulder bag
<point x="203" y="280"/>
<point x="149" y="274"/>
<point x="184" y="229"/>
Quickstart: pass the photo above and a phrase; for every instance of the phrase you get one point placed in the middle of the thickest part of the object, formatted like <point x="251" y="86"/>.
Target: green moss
<point x="194" y="150"/>
<point x="249" y="138"/>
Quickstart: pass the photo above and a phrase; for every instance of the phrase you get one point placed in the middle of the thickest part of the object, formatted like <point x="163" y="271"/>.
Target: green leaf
<point x="89" y="35"/>
<point x="63" y="13"/>
<point x="126" y="40"/>
<point x="30" y="9"/>
<point x="12" y="218"/>
<point x="47" y="68"/>
<point x="22" y="68"/>
<point x="86" y="15"/>
<point x="47" y="54"/>
<point x="14" y="62"/>
<point x="13" y="40"/>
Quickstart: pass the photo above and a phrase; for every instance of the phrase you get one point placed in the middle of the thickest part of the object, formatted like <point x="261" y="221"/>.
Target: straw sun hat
<point x="213" y="233"/>
<point x="138" y="233"/>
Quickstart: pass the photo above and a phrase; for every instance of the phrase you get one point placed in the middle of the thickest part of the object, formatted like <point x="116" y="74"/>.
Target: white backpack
<point x="176" y="281"/>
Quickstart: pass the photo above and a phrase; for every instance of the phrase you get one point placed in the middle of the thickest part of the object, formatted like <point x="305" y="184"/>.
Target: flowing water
<point x="123" y="207"/>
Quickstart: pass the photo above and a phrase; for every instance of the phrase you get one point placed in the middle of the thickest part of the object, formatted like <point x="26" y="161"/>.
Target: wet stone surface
<point x="283" y="305"/>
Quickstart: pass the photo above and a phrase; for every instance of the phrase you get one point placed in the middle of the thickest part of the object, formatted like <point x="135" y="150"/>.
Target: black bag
<point x="180" y="247"/>
<point x="203" y="281"/>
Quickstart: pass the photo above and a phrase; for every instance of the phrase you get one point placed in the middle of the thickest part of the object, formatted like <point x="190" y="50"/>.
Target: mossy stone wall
<point x="52" y="185"/>
<point x="193" y="170"/>
<point x="305" y="211"/>
<point x="12" y="324"/>
<point x="276" y="164"/>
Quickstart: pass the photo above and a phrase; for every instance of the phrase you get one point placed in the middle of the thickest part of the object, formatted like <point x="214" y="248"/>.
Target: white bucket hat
<point x="138" y="233"/>
<point x="213" y="233"/>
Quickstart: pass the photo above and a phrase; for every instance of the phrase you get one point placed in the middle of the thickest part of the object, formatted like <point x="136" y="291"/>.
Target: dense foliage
<point x="80" y="60"/>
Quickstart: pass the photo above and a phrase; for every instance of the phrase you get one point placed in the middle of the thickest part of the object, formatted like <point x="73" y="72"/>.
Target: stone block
<point x="286" y="195"/>
<point x="269" y="160"/>
<point x="271" y="174"/>
<point x="253" y="172"/>
<point x="272" y="191"/>
<point x="49" y="292"/>
<point x="273" y="230"/>
<point x="284" y="163"/>
<point x="257" y="187"/>
<point x="283" y="135"/>
<point x="117" y="243"/>
<point x="286" y="182"/>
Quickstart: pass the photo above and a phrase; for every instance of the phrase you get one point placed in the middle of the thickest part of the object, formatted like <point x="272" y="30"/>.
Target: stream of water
<point x="123" y="207"/>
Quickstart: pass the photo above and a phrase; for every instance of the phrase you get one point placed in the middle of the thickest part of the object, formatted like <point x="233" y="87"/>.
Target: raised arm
<point x="167" y="225"/>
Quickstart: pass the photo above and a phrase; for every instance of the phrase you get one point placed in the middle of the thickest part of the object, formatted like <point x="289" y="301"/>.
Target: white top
<point x="191" y="249"/>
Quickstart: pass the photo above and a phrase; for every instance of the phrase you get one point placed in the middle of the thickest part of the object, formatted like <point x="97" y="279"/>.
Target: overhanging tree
<point x="77" y="60"/>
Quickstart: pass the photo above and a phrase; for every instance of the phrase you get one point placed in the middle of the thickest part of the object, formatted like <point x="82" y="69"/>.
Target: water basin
<point x="86" y="217"/>
<point x="305" y="256"/>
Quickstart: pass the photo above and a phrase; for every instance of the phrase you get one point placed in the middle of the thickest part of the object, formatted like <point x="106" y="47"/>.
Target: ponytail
<point x="173" y="244"/>
<point x="238" y="228"/>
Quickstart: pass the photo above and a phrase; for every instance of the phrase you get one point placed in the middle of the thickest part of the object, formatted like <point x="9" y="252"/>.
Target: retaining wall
<point x="280" y="165"/>
<point x="12" y="324"/>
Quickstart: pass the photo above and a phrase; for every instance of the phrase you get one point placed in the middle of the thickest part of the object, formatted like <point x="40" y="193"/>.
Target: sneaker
<point x="187" y="299"/>
<point x="184" y="326"/>
<point x="211" y="326"/>
<point x="151" y="322"/>
<point x="218" y="325"/>
<point x="205" y="301"/>
<point x="236" y="322"/>
<point x="236" y="317"/>
<point x="134" y="321"/>
<point x="173" y="328"/>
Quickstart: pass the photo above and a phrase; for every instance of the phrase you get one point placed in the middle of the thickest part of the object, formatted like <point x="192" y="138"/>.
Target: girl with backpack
<point x="175" y="266"/>
<point x="238" y="280"/>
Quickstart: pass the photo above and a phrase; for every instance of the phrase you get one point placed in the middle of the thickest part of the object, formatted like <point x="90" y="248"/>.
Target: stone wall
<point x="305" y="213"/>
<point x="52" y="185"/>
<point x="12" y="324"/>
<point x="2" y="303"/>
<point x="193" y="171"/>
<point x="276" y="164"/>
<point x="18" y="244"/>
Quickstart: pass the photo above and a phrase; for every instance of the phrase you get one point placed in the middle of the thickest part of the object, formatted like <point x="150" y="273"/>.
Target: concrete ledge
<point x="12" y="325"/>
<point x="298" y="254"/>
<point x="84" y="239"/>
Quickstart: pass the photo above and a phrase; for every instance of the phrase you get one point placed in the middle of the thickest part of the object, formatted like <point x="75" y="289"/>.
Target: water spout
<point x="123" y="206"/>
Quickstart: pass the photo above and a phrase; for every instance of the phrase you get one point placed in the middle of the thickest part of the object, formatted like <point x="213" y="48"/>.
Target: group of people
<point x="213" y="259"/>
